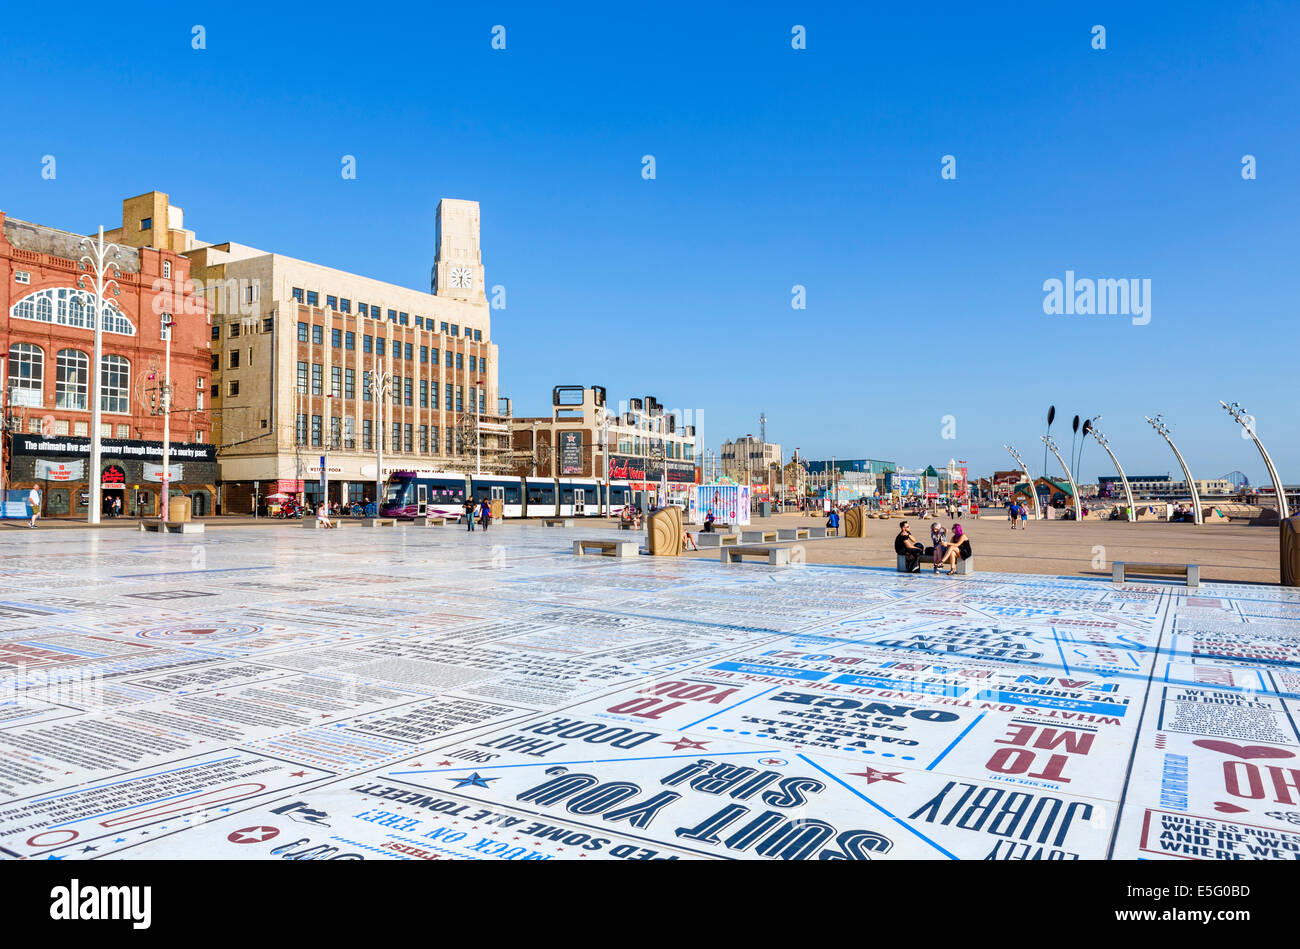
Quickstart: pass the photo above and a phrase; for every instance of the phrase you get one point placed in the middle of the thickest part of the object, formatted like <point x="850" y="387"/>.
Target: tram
<point x="409" y="495"/>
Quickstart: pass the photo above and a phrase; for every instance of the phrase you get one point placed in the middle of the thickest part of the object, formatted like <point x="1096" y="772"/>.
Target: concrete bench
<point x="965" y="568"/>
<point x="817" y="533"/>
<point x="758" y="537"/>
<point x="1190" y="572"/>
<point x="902" y="564"/>
<point x="607" y="548"/>
<point x="792" y="533"/>
<point x="557" y="522"/>
<point x="311" y="524"/>
<point x="716" y="540"/>
<point x="430" y="520"/>
<point x="773" y="555"/>
<point x="381" y="522"/>
<point x="172" y="527"/>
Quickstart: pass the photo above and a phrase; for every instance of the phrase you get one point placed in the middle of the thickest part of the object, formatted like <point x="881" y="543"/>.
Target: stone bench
<point x="758" y="537"/>
<point x="792" y="533"/>
<point x="819" y="533"/>
<point x="311" y="524"/>
<point x="430" y="520"/>
<point x="965" y="568"/>
<point x="773" y="555"/>
<point x="172" y="527"/>
<point x="607" y="548"/>
<point x="557" y="522"/>
<point x="1190" y="572"/>
<point x="716" y="540"/>
<point x="381" y="522"/>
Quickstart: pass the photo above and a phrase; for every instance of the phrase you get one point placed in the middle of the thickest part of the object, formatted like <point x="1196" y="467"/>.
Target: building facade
<point x="314" y="369"/>
<point x="584" y="438"/>
<point x="748" y="454"/>
<point x="47" y="336"/>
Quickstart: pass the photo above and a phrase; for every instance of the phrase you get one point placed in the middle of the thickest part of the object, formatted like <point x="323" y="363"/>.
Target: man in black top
<point x="906" y="545"/>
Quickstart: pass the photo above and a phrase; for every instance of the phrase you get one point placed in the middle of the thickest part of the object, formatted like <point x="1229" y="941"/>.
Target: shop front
<point x="130" y="475"/>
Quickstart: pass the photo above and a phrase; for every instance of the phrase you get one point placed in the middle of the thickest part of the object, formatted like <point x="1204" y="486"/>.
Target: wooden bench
<point x="557" y="522"/>
<point x="172" y="527"/>
<point x="773" y="555"/>
<point x="607" y="548"/>
<point x="760" y="537"/>
<point x="716" y="540"/>
<point x="1190" y="572"/>
<point x="792" y="533"/>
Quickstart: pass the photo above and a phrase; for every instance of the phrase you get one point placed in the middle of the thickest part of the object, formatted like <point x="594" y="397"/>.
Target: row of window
<point x="268" y="324"/>
<point x="66" y="306"/>
<point x="401" y="389"/>
<point x="377" y="345"/>
<point x="405" y="437"/>
<point x="376" y="312"/>
<point x="71" y="379"/>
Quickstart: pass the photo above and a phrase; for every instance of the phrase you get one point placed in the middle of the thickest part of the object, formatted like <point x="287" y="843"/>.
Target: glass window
<point x="234" y="359"/>
<point x="397" y="390"/>
<point x="336" y="382"/>
<point x="234" y="331"/>
<point x="317" y="334"/>
<point x="449" y="394"/>
<point x="317" y="373"/>
<point x="234" y="387"/>
<point x="268" y="324"/>
<point x="460" y="360"/>
<point x="331" y="302"/>
<point x="424" y="439"/>
<point x="460" y="398"/>
<point x="367" y="434"/>
<point x="478" y="336"/>
<point x="365" y="385"/>
<point x="424" y="354"/>
<point x="444" y="327"/>
<point x="336" y="338"/>
<point x="68" y="307"/>
<point x="433" y="439"/>
<point x="367" y="343"/>
<point x="350" y="340"/>
<point x="433" y="356"/>
<point x="451" y="362"/>
<point x="379" y="345"/>
<point x="406" y="438"/>
<point x="407" y="386"/>
<point x="216" y="332"/>
<point x="300" y="430"/>
<point x="313" y="298"/>
<point x="336" y="432"/>
<point x="297" y="294"/>
<point x="26" y="374"/>
<point x="396" y="443"/>
<point x="115" y="379"/>
<point x="392" y="315"/>
<point x="409" y="351"/>
<point x="345" y="305"/>
<point x="302" y="376"/>
<point x="316" y="430"/>
<point x="349" y="384"/>
<point x="424" y="393"/>
<point x="455" y="330"/>
<point x="419" y="322"/>
<point x="302" y="332"/>
<point x="72" y="380"/>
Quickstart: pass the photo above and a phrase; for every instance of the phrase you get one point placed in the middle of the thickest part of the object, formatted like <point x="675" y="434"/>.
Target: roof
<point x="39" y="239"/>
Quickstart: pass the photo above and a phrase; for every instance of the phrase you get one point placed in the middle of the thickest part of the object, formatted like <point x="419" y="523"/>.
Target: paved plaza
<point x="427" y="693"/>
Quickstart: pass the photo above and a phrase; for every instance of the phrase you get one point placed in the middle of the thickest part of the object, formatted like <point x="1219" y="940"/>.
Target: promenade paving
<point x="426" y="693"/>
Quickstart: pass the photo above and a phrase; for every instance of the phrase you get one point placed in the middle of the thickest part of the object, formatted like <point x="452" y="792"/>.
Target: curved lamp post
<point x="1074" y="488"/>
<point x="1248" y="423"/>
<point x="1158" y="424"/>
<point x="1128" y="492"/>
<point x="1038" y="515"/>
<point x="97" y="259"/>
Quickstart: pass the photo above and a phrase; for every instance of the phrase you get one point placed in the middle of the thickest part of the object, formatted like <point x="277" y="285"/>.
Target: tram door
<point x="579" y="501"/>
<point x="421" y="500"/>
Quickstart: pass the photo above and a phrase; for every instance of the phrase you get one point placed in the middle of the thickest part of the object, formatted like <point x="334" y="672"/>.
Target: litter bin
<point x="764" y="508"/>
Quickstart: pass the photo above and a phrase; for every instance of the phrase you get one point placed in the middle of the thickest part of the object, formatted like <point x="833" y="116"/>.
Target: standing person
<point x="468" y="508"/>
<point x="1024" y="518"/>
<point x="34" y="501"/>
<point x="1011" y="513"/>
<point x="485" y="513"/>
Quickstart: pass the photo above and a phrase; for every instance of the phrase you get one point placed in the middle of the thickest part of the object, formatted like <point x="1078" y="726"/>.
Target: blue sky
<point x="775" y="167"/>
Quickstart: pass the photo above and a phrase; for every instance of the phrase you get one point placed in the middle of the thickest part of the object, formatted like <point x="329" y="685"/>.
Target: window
<point x="379" y="345"/>
<point x="315" y="430"/>
<point x="409" y="351"/>
<point x="473" y="364"/>
<point x="478" y="336"/>
<point x="234" y="387"/>
<point x="349" y="384"/>
<point x="482" y="401"/>
<point x="433" y="439"/>
<point x="367" y="435"/>
<point x="397" y="390"/>
<point x="396" y="443"/>
<point x="300" y="430"/>
<point x="336" y="382"/>
<point x="336" y="338"/>
<point x="460" y="398"/>
<point x="60" y="426"/>
<point x="198" y="401"/>
<point x="317" y="373"/>
<point x="313" y="298"/>
<point x="66" y="306"/>
<point x="424" y="439"/>
<point x="365" y="385"/>
<point x="450" y="442"/>
<point x="332" y="302"/>
<point x="268" y="324"/>
<point x="444" y="327"/>
<point x="349" y="340"/>
<point x="407" y="385"/>
<point x="71" y="380"/>
<point x="234" y="330"/>
<point x="406" y="438"/>
<point x="297" y="294"/>
<point x="449" y="395"/>
<point x="317" y="334"/>
<point x="433" y="356"/>
<point x="404" y="320"/>
<point x="363" y="309"/>
<point x="216" y="390"/>
<point x="234" y="359"/>
<point x="345" y="305"/>
<point x="460" y="360"/>
<point x="392" y="316"/>
<point x="146" y="223"/>
<point x="22" y="276"/>
<point x="115" y="381"/>
<point x="367" y="343"/>
<point x="424" y="393"/>
<point x="124" y="431"/>
<point x="450" y="360"/>
<point x="482" y="364"/>
<point x="302" y="332"/>
<point x="336" y="432"/>
<point x="424" y="354"/>
<point x="455" y="330"/>
<point x="419" y="321"/>
<point x="302" y="376"/>
<point x="167" y="269"/>
<point x="216" y="361"/>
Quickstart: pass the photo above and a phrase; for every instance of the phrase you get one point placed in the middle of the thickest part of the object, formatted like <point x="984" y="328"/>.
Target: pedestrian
<point x="485" y="514"/>
<point x="1024" y="518"/>
<point x="468" y="508"/>
<point x="34" y="501"/>
<point x="1011" y="513"/>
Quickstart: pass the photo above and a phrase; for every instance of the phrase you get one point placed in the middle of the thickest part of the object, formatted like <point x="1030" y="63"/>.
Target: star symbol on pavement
<point x="683" y="743"/>
<point x="772" y="761"/>
<point x="53" y="857"/>
<point x="297" y="774"/>
<point x="443" y="764"/>
<point x="475" y="780"/>
<point x="253" y="835"/>
<point x="88" y="849"/>
<point x="872" y="775"/>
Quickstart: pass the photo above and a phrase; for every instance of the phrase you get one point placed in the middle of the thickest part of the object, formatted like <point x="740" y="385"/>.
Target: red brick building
<point x="47" y="339"/>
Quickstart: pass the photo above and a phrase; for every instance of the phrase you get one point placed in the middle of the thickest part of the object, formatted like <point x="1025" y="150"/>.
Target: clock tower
<point x="458" y="262"/>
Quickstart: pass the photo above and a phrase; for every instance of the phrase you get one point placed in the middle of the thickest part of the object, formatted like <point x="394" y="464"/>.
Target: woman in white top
<point x="323" y="516"/>
<point x="34" y="500"/>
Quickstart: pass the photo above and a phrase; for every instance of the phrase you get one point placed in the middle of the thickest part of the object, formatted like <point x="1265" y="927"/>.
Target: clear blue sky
<point x="775" y="167"/>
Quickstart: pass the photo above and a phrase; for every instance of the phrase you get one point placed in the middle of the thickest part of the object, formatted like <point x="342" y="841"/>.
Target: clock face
<point x="462" y="277"/>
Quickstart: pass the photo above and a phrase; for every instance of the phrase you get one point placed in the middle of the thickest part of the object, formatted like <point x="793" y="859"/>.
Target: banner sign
<point x="60" y="470"/>
<point x="632" y="468"/>
<point x="113" y="447"/>
<point x="570" y="453"/>
<point x="153" y="472"/>
<point x="728" y="502"/>
<point x="113" y="476"/>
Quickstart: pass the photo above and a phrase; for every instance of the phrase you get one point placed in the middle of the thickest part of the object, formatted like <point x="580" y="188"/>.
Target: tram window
<point x="512" y="494"/>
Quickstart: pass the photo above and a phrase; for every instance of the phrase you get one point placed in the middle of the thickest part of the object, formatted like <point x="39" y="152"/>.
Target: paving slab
<point x="410" y="694"/>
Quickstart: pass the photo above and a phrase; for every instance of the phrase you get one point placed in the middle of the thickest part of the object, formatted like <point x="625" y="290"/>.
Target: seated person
<point x="708" y="522"/>
<point x="833" y="519"/>
<point x="959" y="549"/>
<point x="323" y="516"/>
<point x="906" y="545"/>
<point x="688" y="541"/>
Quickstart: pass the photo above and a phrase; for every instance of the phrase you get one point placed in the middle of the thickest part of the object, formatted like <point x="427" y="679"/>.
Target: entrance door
<point x="579" y="501"/>
<point x="421" y="499"/>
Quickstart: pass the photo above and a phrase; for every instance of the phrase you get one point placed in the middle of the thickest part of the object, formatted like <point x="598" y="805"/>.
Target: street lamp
<point x="381" y="383"/>
<point x="1030" y="481"/>
<point x="1074" y="488"/>
<point x="161" y="404"/>
<point x="1128" y="492"/>
<point x="1158" y="424"/>
<point x="100" y="265"/>
<point x="1248" y="423"/>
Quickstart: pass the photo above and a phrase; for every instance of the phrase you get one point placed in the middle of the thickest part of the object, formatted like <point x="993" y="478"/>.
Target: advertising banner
<point x="60" y="470"/>
<point x="112" y="447"/>
<point x="728" y="502"/>
<point x="153" y="472"/>
<point x="570" y="453"/>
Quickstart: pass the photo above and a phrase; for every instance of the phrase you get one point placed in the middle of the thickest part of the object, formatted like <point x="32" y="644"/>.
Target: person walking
<point x="468" y="508"/>
<point x="1024" y="517"/>
<point x="34" y="502"/>
<point x="485" y="513"/>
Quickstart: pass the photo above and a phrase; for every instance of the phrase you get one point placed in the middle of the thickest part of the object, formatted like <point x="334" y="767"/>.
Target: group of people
<point x="477" y="511"/>
<point x="945" y="552"/>
<point x="1018" y="512"/>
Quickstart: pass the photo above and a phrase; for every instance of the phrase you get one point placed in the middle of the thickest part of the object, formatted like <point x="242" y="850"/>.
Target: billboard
<point x="570" y="453"/>
<point x="728" y="502"/>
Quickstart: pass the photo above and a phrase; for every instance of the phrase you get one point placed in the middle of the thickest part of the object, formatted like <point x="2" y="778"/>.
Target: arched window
<point x="71" y="380"/>
<point x="115" y="380"/>
<point x="66" y="306"/>
<point x="26" y="374"/>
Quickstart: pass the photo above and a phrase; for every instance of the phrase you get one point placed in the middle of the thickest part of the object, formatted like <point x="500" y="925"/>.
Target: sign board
<point x="113" y="447"/>
<point x="570" y="453"/>
<point x="153" y="472"/>
<point x="113" y="476"/>
<point x="728" y="502"/>
<point x="60" y="470"/>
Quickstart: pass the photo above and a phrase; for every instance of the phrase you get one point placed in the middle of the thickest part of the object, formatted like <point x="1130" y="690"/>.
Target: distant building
<point x="748" y="454"/>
